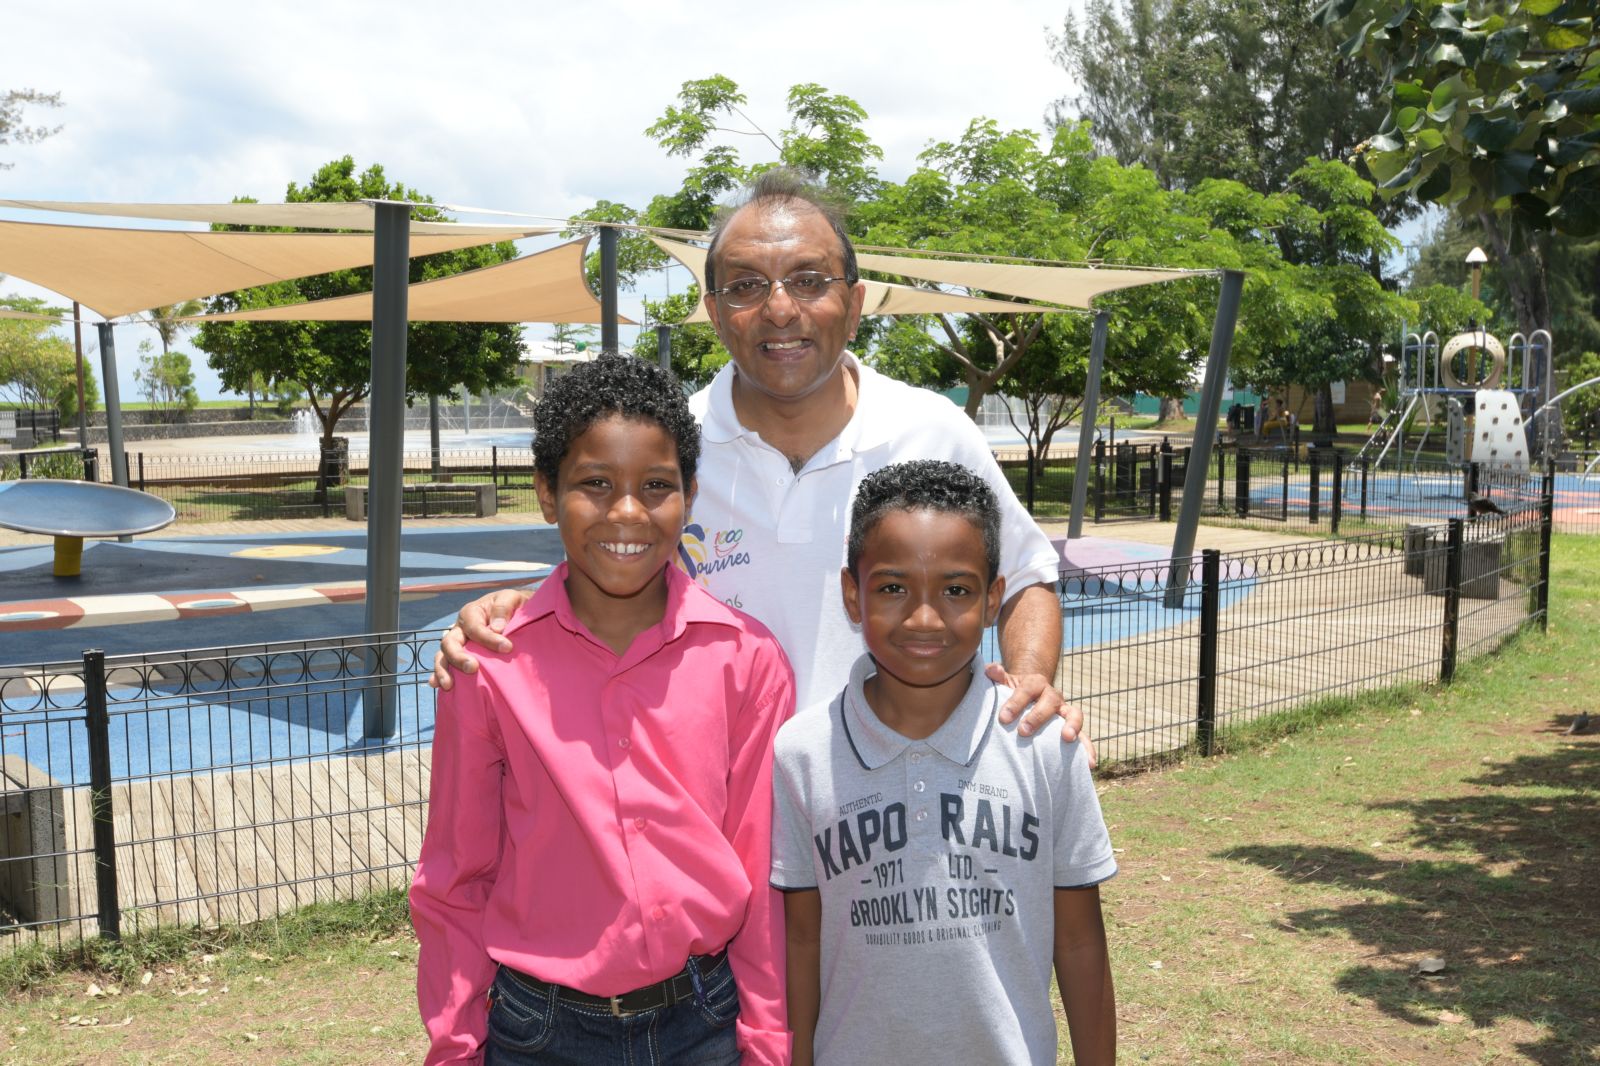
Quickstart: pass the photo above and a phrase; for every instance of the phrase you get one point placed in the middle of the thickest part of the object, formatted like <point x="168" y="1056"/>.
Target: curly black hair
<point x="925" y="485"/>
<point x="611" y="385"/>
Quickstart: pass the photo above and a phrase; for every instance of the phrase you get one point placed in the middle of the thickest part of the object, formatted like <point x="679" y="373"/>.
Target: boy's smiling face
<point x="922" y="596"/>
<point x="619" y="501"/>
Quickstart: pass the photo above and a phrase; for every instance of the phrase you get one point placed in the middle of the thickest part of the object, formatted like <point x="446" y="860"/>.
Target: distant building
<point x="546" y="361"/>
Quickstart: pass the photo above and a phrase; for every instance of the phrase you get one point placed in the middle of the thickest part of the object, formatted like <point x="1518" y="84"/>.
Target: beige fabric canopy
<point x="546" y="287"/>
<point x="357" y="216"/>
<point x="1071" y="286"/>
<point x="119" y="271"/>
<point x="883" y="298"/>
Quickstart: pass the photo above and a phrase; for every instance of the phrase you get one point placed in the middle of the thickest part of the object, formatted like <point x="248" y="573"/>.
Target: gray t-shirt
<point x="937" y="861"/>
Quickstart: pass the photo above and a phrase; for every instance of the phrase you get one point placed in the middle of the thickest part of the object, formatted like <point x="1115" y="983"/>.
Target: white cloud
<point x="528" y="107"/>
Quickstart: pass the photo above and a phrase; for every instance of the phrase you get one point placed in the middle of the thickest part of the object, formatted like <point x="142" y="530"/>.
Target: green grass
<point x="1287" y="888"/>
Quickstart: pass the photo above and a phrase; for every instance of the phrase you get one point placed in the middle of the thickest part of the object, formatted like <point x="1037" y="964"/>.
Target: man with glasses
<point x="789" y="428"/>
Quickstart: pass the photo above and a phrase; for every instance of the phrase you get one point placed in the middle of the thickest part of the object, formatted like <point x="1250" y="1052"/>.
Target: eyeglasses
<point x="803" y="285"/>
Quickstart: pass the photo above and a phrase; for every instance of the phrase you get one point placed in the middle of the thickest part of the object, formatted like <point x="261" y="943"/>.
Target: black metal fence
<point x="226" y="785"/>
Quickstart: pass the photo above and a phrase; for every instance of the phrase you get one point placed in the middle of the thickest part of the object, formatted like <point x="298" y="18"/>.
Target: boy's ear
<point x="547" y="497"/>
<point x="995" y="599"/>
<point x="852" y="594"/>
<point x="691" y="493"/>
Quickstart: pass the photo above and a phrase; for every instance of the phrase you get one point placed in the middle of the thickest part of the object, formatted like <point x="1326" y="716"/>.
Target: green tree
<point x="166" y="379"/>
<point x="1198" y="89"/>
<point x="36" y="363"/>
<point x="331" y="361"/>
<point x="1493" y="110"/>
<point x="1581" y="411"/>
<point x="13" y="129"/>
<point x="167" y="320"/>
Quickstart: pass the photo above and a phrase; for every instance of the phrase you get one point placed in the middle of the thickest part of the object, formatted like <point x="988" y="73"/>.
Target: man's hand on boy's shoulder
<point x="1033" y="697"/>
<point x="481" y="622"/>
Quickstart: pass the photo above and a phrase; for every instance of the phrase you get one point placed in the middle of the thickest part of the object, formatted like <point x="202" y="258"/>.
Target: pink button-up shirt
<point x="595" y="820"/>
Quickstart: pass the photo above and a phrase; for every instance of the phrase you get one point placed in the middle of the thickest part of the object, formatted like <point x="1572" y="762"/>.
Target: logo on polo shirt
<point x="702" y="554"/>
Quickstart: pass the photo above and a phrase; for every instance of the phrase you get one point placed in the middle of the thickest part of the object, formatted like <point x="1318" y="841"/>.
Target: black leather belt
<point x="675" y="989"/>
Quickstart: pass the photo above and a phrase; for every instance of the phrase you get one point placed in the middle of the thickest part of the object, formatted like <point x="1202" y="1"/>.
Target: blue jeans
<point x="542" y="1029"/>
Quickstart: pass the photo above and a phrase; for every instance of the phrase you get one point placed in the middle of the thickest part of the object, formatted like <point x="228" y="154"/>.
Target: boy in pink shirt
<point x="593" y="882"/>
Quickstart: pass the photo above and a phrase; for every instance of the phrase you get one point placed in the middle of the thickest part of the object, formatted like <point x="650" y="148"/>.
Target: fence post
<point x="1284" y="500"/>
<point x="22" y="465"/>
<point x="1241" y="483"/>
<point x="141" y="471"/>
<point x="98" y="723"/>
<point x="1210" y="604"/>
<point x="1165" y="502"/>
<point x="1314" y="500"/>
<point x="1221" y="477"/>
<point x="1365" y="466"/>
<point x="494" y="466"/>
<point x="91" y="464"/>
<point x="1338" y="490"/>
<point x="1099" y="480"/>
<point x="1452" y="600"/>
<point x="1547" y="511"/>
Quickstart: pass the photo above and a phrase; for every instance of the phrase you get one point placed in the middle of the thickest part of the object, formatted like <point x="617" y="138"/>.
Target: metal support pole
<point x="1547" y="513"/>
<point x="433" y="437"/>
<point x="1210" y="610"/>
<point x="1452" y="600"/>
<point x="77" y="344"/>
<point x="1314" y="500"/>
<point x="108" y="374"/>
<point x="386" y="404"/>
<point x="97" y="723"/>
<point x="608" y="290"/>
<point x="1205" y="434"/>
<point x="664" y="347"/>
<point x="1086" y="419"/>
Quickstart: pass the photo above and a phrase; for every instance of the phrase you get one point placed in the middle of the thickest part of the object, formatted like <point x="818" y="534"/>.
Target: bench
<point x="33" y="843"/>
<point x="480" y="496"/>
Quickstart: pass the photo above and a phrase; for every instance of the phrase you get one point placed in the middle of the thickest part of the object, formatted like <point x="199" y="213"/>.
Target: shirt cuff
<point x="763" y="1047"/>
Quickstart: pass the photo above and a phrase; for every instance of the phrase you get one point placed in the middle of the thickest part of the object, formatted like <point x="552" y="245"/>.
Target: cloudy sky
<point x="533" y="107"/>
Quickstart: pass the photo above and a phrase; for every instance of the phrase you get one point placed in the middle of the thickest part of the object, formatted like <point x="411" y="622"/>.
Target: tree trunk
<point x="1322" y="420"/>
<point x="1520" y="255"/>
<point x="1171" y="410"/>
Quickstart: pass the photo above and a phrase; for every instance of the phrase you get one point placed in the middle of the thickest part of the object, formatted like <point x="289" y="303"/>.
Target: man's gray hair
<point x="776" y="186"/>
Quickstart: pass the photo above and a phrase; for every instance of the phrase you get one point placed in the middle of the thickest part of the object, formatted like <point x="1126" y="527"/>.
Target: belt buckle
<point x="616" y="1006"/>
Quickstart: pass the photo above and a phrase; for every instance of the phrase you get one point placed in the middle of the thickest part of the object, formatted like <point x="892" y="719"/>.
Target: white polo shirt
<point x="772" y="542"/>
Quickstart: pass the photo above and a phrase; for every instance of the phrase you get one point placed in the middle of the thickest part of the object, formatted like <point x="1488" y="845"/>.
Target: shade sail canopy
<point x="119" y="271"/>
<point x="1068" y="285"/>
<point x="546" y="287"/>
<point x="356" y="216"/>
<point x="883" y="298"/>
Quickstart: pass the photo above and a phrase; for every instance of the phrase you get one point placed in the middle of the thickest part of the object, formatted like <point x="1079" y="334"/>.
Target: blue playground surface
<point x="244" y="705"/>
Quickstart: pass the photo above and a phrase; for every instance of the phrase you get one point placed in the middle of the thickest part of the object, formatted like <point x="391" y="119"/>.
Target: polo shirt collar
<point x="686" y="604"/>
<point x="720" y="424"/>
<point x="959" y="739"/>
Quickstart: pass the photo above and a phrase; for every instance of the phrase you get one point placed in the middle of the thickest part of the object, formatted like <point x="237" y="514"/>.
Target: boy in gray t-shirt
<point x="934" y="863"/>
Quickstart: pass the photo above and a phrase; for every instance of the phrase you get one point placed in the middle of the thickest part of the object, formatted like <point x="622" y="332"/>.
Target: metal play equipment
<point x="72" y="510"/>
<point x="1493" y="400"/>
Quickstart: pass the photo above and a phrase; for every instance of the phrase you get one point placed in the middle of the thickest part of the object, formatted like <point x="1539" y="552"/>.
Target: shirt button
<point x="622" y="743"/>
<point x="638" y="823"/>
<point x="657" y="913"/>
<point x="916" y="757"/>
<point x="922" y="816"/>
<point x="918" y="787"/>
<point x="783" y="481"/>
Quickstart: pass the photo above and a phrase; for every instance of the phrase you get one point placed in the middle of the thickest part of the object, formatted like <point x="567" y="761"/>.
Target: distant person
<point x="935" y="865"/>
<point x="791" y="425"/>
<point x="1376" y="411"/>
<point x="593" y="881"/>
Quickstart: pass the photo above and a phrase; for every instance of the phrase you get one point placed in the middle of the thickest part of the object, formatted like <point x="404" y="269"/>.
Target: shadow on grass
<point x="1509" y="905"/>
